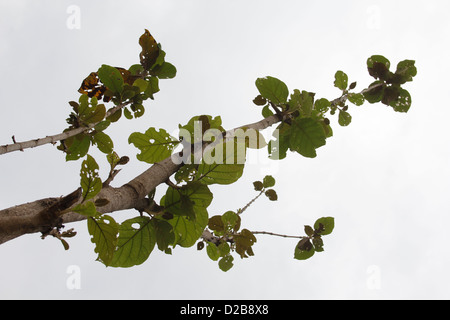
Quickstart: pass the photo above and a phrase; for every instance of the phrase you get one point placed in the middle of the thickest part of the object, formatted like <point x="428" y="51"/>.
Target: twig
<point x="277" y="234"/>
<point x="55" y="138"/>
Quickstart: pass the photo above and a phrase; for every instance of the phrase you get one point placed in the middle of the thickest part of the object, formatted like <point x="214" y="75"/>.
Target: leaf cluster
<point x="313" y="242"/>
<point x="209" y="156"/>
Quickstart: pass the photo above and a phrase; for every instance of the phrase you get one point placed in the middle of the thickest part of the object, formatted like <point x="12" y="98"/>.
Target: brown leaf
<point x="150" y="50"/>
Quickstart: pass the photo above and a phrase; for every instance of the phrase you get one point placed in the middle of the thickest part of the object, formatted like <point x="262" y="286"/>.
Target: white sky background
<point x="385" y="178"/>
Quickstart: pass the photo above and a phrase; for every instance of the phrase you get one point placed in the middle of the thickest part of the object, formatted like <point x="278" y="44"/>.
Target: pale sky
<point x="385" y="178"/>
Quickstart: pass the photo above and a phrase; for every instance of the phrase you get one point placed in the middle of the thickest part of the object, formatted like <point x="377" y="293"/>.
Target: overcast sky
<point x="385" y="178"/>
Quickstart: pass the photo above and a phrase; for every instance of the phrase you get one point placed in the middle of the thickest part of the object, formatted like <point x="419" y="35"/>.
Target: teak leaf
<point x="91" y="184"/>
<point x="154" y="145"/>
<point x="272" y="89"/>
<point x="135" y="242"/>
<point x="150" y="50"/>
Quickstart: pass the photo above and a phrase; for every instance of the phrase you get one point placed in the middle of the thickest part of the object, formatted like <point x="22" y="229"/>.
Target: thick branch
<point x="27" y="218"/>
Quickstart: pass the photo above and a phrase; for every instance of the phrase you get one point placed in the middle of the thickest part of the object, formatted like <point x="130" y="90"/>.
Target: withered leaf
<point x="150" y="50"/>
<point x="93" y="87"/>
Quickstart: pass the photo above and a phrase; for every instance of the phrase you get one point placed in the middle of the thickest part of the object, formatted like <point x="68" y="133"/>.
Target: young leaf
<point x="260" y="101"/>
<point x="356" y="98"/>
<point x="344" y="118"/>
<point x="91" y="184"/>
<point x="135" y="242"/>
<point x="403" y="101"/>
<point x="258" y="185"/>
<point x="304" y="250"/>
<point x="272" y="89"/>
<point x="378" y="67"/>
<point x="226" y="263"/>
<point x="244" y="241"/>
<point x="327" y="224"/>
<point x="374" y="92"/>
<point x="341" y="80"/>
<point x="268" y="181"/>
<point x="86" y="209"/>
<point x="271" y="194"/>
<point x="405" y="72"/>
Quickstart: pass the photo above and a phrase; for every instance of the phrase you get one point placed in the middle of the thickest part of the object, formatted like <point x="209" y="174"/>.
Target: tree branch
<point x="28" y="218"/>
<point x="55" y="138"/>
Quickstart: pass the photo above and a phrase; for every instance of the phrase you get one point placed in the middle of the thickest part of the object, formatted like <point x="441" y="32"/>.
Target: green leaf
<point x="305" y="136"/>
<point x="226" y="263"/>
<point x="155" y="145"/>
<point x="344" y="118"/>
<point x="216" y="224"/>
<point x="302" y="101"/>
<point x="318" y="244"/>
<point x="356" y="98"/>
<point x="164" y="234"/>
<point x="103" y="142"/>
<point x="403" y="102"/>
<point x="165" y="71"/>
<point x="111" y="78"/>
<point x="213" y="251"/>
<point x="244" y="241"/>
<point x="374" y="93"/>
<point x="219" y="173"/>
<point x="309" y="231"/>
<point x="322" y="105"/>
<point x="268" y="181"/>
<point x="135" y="242"/>
<point x="341" y="80"/>
<point x="405" y="72"/>
<point x="95" y="115"/>
<point x="378" y="67"/>
<point x="231" y="221"/>
<point x="104" y="232"/>
<point x="86" y="209"/>
<point x="186" y="229"/>
<point x="303" y="250"/>
<point x="141" y="84"/>
<point x="91" y="184"/>
<point x="78" y="146"/>
<point x="327" y="225"/>
<point x="266" y="112"/>
<point x="272" y="89"/>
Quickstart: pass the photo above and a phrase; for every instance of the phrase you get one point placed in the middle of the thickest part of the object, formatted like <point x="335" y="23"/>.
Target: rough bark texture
<point x="45" y="214"/>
